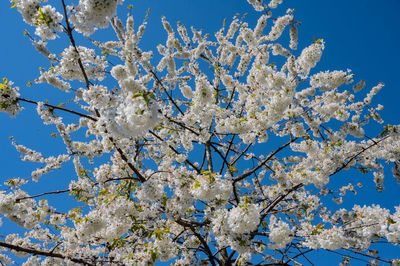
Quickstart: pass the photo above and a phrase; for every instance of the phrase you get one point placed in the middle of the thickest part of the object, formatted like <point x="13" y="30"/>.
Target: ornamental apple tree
<point x="208" y="150"/>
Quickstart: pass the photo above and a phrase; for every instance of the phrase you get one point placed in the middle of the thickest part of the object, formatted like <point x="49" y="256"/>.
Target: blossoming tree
<point x="218" y="153"/>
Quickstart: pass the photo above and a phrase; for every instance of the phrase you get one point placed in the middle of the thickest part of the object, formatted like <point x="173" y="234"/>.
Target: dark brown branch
<point x="346" y="255"/>
<point x="140" y="177"/>
<point x="278" y="199"/>
<point x="231" y="98"/>
<point x="177" y="152"/>
<point x="220" y="154"/>
<point x="302" y="253"/>
<point x="366" y="255"/>
<point x="242" y="153"/>
<point x="207" y="250"/>
<point x="69" y="30"/>
<point x="158" y="81"/>
<point x="345" y="164"/>
<point x="43" y="194"/>
<point x="59" y="108"/>
<point x="226" y="155"/>
<point x="43" y="253"/>
<point x="181" y="125"/>
<point x="270" y="156"/>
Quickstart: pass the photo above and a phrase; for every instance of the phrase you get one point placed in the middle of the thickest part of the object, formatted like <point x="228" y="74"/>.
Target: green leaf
<point x="317" y="40"/>
<point x="153" y="256"/>
<point x="362" y="169"/>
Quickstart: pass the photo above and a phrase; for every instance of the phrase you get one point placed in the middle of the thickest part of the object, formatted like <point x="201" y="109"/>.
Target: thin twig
<point x="58" y="108"/>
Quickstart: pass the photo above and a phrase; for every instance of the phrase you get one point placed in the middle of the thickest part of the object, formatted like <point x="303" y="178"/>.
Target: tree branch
<point x="59" y="108"/>
<point x="272" y="154"/>
<point x="43" y="253"/>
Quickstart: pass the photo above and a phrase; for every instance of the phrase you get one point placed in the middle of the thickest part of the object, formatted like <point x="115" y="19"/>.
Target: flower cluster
<point x="9" y="98"/>
<point x="45" y="18"/>
<point x="48" y="22"/>
<point x="244" y="218"/>
<point x="89" y="14"/>
<point x="69" y="67"/>
<point x="210" y="186"/>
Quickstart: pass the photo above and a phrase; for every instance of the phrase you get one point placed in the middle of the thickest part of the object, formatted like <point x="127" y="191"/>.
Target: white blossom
<point x="90" y="14"/>
<point x="9" y="98"/>
<point x="244" y="218"/>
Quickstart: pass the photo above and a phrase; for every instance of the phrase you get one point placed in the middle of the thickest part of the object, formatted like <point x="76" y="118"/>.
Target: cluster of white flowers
<point x="45" y="18"/>
<point x="9" y="98"/>
<point x="34" y="156"/>
<point x="48" y="22"/>
<point x="52" y="79"/>
<point x="274" y="3"/>
<point x="29" y="154"/>
<point x="330" y="80"/>
<point x="204" y="93"/>
<point x="51" y="163"/>
<point x="136" y="113"/>
<point x="280" y="233"/>
<point x="210" y="186"/>
<point x="257" y="4"/>
<point x="152" y="190"/>
<point x="393" y="234"/>
<point x="40" y="46"/>
<point x="46" y="114"/>
<point x="318" y="237"/>
<point x="28" y="9"/>
<point x="89" y="14"/>
<point x="293" y="37"/>
<point x="97" y="96"/>
<point x="69" y="68"/>
<point x="26" y="213"/>
<point x="279" y="26"/>
<point x="244" y="218"/>
<point x="109" y="221"/>
<point x="309" y="58"/>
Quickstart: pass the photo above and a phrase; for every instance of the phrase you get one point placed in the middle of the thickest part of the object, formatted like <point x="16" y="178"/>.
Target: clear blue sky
<point x="362" y="35"/>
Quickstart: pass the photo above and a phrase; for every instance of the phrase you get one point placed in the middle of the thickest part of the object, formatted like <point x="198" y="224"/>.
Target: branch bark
<point x="43" y="253"/>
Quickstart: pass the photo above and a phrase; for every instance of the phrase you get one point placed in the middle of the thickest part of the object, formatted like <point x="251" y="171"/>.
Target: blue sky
<point x="361" y="35"/>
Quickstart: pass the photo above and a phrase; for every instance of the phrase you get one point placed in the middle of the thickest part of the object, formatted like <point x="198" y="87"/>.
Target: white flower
<point x="135" y="114"/>
<point x="330" y="80"/>
<point x="279" y="26"/>
<point x="9" y="98"/>
<point x="90" y="14"/>
<point x="210" y="186"/>
<point x="257" y="4"/>
<point x="69" y="68"/>
<point x="151" y="190"/>
<point x="244" y="218"/>
<point x="186" y="91"/>
<point x="309" y="57"/>
<point x="48" y="22"/>
<point x="280" y="234"/>
<point x="119" y="72"/>
<point x="204" y="91"/>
